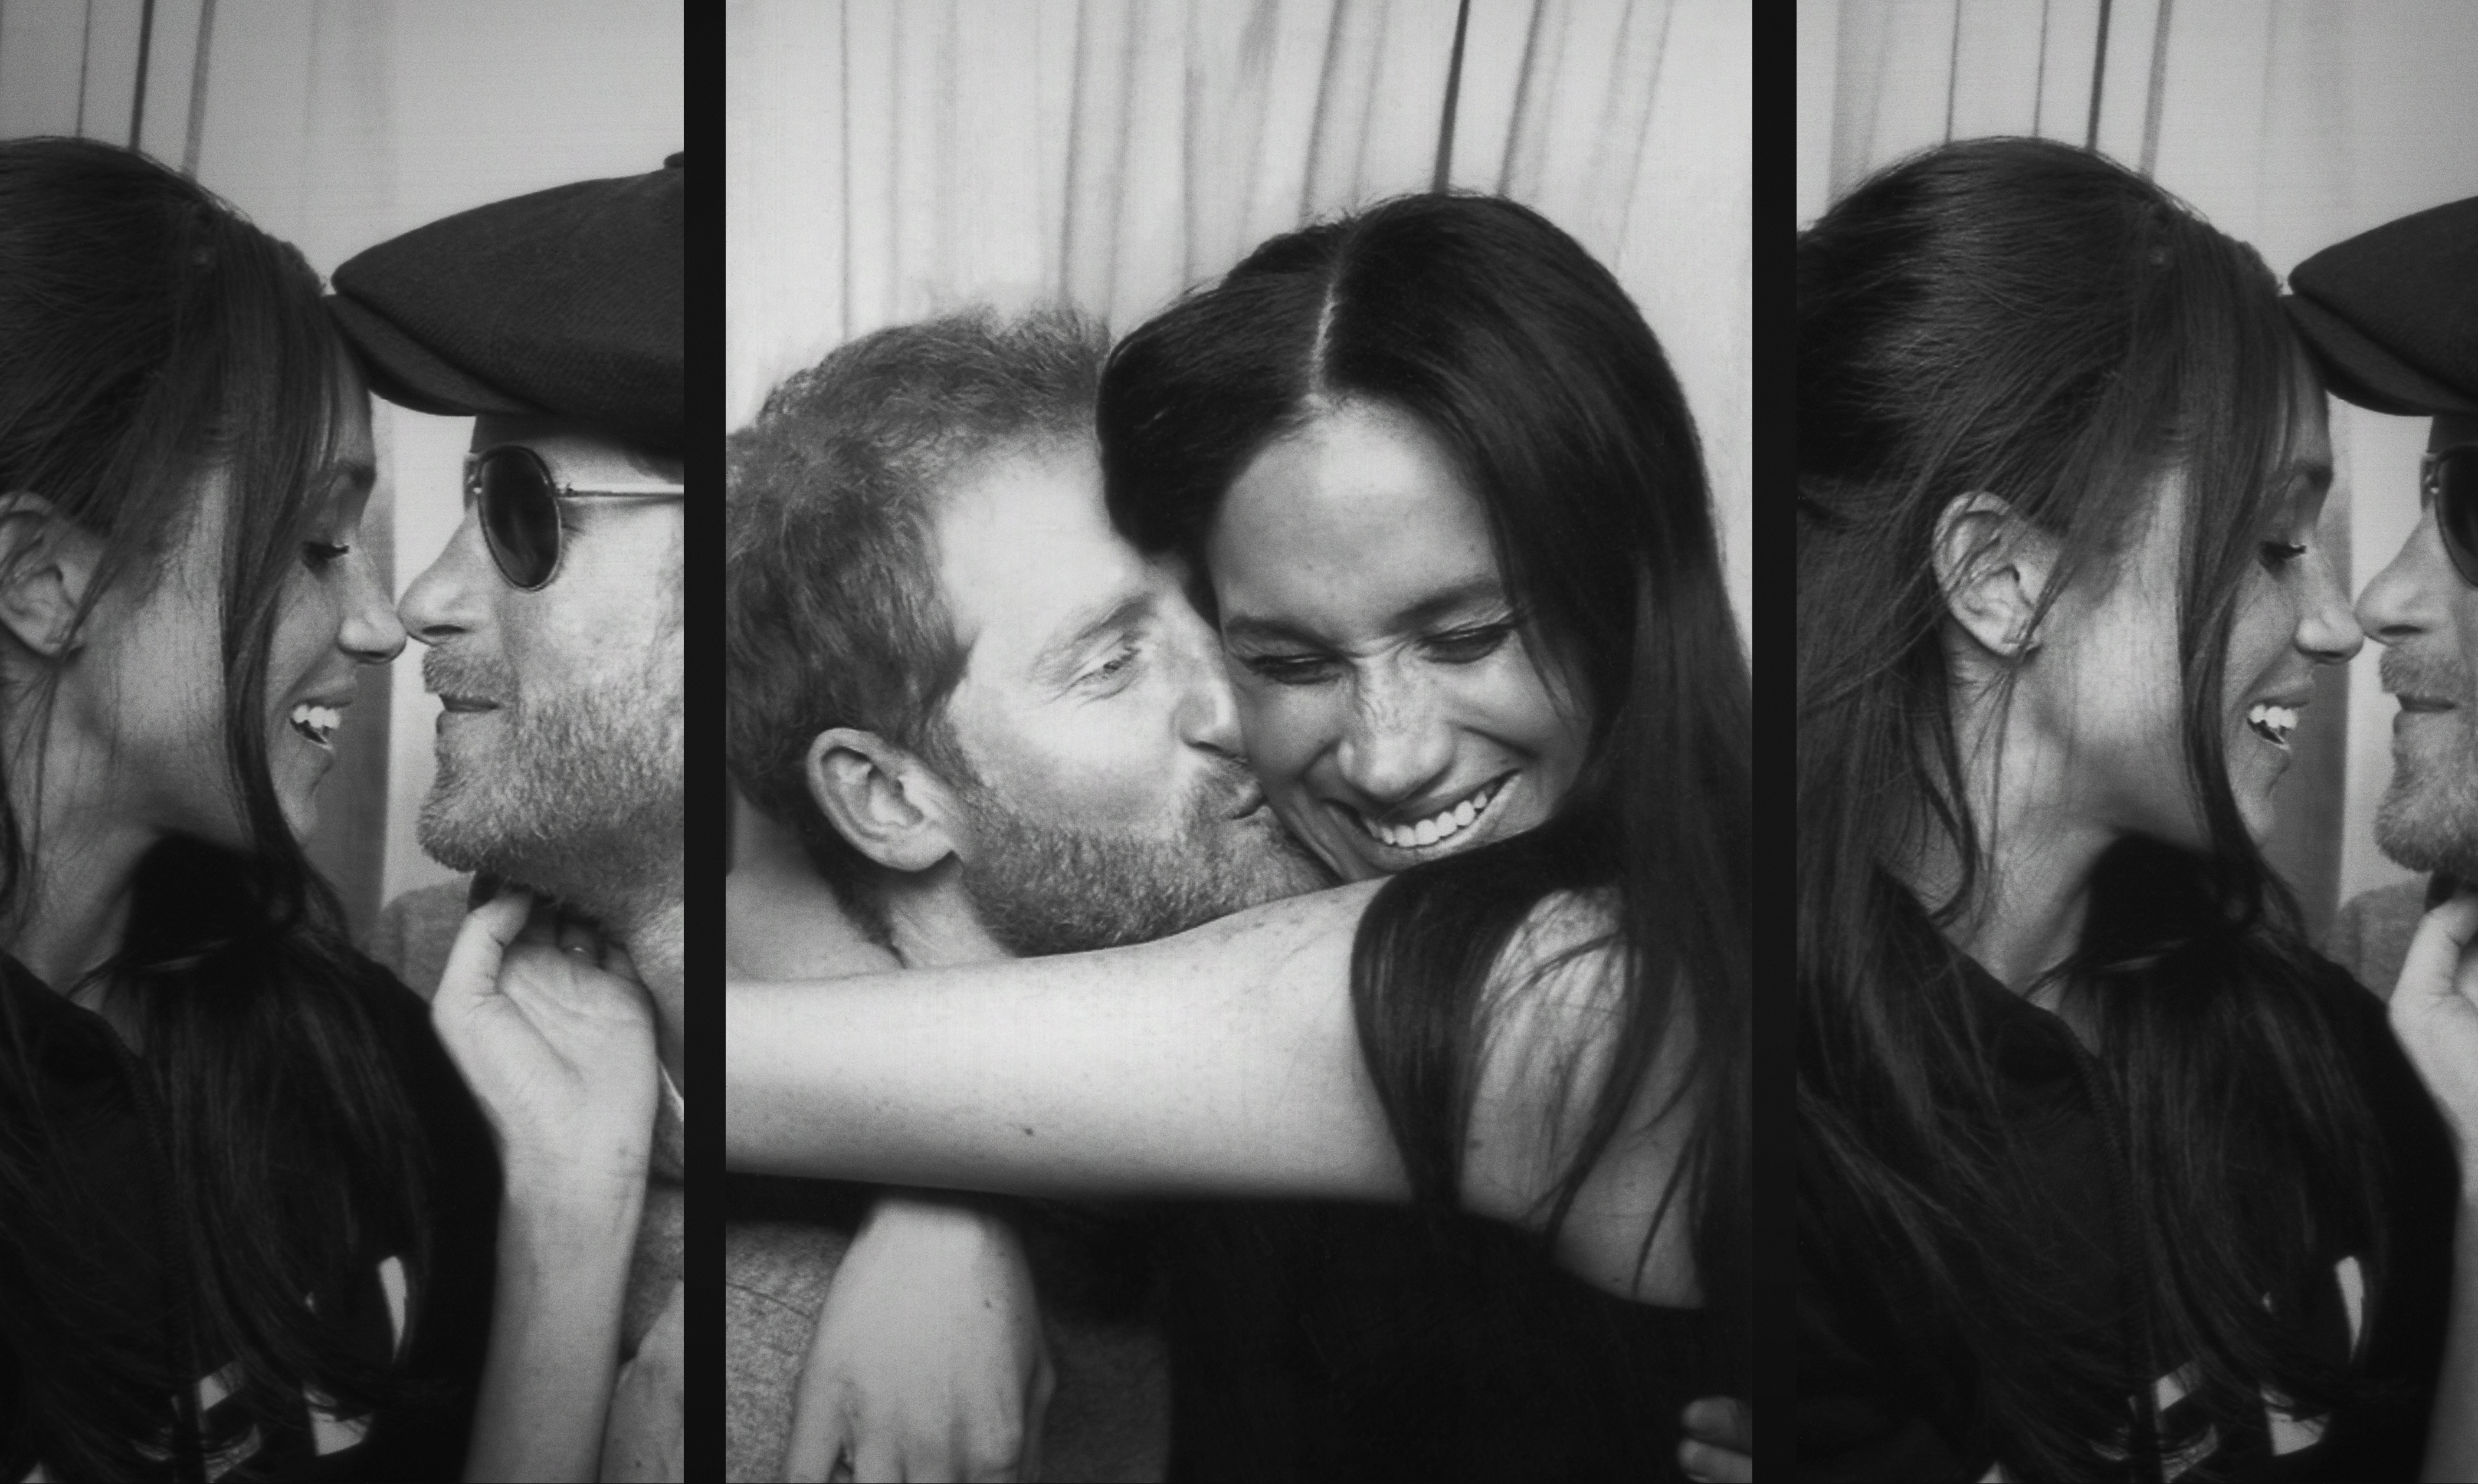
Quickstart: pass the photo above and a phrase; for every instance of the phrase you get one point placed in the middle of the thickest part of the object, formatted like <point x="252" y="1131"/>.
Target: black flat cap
<point x="564" y="303"/>
<point x="2392" y="314"/>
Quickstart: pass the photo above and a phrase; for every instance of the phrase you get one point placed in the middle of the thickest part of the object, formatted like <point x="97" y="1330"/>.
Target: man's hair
<point x="833" y="615"/>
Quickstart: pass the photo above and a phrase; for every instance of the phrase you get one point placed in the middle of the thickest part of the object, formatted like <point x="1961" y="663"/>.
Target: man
<point x="2391" y="317"/>
<point x="992" y="728"/>
<point x="553" y="621"/>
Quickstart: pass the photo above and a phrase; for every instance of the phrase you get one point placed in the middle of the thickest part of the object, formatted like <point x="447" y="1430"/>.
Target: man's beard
<point x="579" y="796"/>
<point x="2429" y="817"/>
<point x="1041" y="886"/>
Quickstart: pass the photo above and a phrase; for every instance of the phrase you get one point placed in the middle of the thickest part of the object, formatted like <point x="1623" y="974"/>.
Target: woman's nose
<point x="2327" y="630"/>
<point x="370" y="632"/>
<point x="1394" y="743"/>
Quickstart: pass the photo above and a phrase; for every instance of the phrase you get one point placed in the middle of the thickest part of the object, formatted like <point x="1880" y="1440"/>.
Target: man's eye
<point x="1464" y="647"/>
<point x="320" y="554"/>
<point x="2279" y="554"/>
<point x="1117" y="666"/>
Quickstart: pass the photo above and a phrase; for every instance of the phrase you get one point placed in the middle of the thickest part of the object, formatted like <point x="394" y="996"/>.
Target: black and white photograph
<point x="2137" y="604"/>
<point x="341" y="644"/>
<point x="1224" y="503"/>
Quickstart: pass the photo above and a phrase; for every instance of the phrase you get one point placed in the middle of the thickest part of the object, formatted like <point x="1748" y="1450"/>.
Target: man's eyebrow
<point x="1450" y="602"/>
<point x="1056" y="657"/>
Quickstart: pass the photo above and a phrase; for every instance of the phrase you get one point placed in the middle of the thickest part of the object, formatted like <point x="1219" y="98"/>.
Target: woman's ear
<point x="45" y="565"/>
<point x="1993" y="569"/>
<point x="881" y="798"/>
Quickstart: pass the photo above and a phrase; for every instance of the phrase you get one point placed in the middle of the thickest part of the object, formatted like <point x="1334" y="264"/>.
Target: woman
<point x="1456" y="411"/>
<point x="246" y="1205"/>
<point x="2101" y="1171"/>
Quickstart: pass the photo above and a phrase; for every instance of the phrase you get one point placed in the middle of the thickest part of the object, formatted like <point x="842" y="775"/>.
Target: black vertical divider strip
<point x="1445" y="172"/>
<point x="197" y="127"/>
<point x="2159" y="88"/>
<point x="2099" y="79"/>
<point x="1952" y="70"/>
<point x="705" y="846"/>
<point x="145" y="55"/>
<point x="1771" y="619"/>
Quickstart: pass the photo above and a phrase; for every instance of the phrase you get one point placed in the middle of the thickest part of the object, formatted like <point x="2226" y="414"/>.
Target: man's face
<point x="2428" y="617"/>
<point x="1109" y="804"/>
<point x="559" y="742"/>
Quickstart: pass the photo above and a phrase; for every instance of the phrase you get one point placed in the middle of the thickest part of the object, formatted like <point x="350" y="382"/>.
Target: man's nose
<point x="1208" y="711"/>
<point x="440" y="603"/>
<point x="2406" y="597"/>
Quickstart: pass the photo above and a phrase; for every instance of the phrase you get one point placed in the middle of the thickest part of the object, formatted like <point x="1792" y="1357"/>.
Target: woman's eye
<point x="320" y="554"/>
<point x="2278" y="554"/>
<point x="1463" y="647"/>
<point x="1287" y="669"/>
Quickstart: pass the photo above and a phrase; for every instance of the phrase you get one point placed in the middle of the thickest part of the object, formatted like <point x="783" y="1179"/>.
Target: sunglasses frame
<point x="650" y="490"/>
<point x="2430" y="489"/>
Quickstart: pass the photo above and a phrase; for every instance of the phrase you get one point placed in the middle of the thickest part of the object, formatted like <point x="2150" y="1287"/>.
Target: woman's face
<point x="1393" y="708"/>
<point x="2113" y="700"/>
<point x="155" y="657"/>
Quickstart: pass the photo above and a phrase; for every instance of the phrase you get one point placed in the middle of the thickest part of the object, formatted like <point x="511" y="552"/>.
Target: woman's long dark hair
<point x="1524" y="357"/>
<point x="2022" y="318"/>
<point x="154" y="339"/>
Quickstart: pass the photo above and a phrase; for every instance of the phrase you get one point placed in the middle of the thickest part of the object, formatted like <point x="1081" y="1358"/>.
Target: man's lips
<point x="465" y="703"/>
<point x="2425" y="703"/>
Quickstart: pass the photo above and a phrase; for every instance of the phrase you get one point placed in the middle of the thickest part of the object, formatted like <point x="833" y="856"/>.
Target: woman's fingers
<point x="472" y="970"/>
<point x="2437" y="956"/>
<point x="2434" y="1013"/>
<point x="1720" y="1440"/>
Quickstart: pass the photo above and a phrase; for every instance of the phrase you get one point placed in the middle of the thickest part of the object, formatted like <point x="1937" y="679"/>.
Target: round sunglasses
<point x="518" y="499"/>
<point x="2447" y="479"/>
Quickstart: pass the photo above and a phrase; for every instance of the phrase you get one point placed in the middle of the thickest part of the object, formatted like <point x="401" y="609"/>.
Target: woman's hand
<point x="928" y="1361"/>
<point x="2435" y="1014"/>
<point x="1720" y="1440"/>
<point x="555" y="1035"/>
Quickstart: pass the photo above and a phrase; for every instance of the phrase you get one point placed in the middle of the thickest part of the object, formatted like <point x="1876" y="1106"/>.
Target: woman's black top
<point x="1867" y="1410"/>
<point x="1315" y="1342"/>
<point x="436" y="1323"/>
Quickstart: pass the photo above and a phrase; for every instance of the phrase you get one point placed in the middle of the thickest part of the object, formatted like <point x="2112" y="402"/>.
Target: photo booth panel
<point x="335" y="124"/>
<point x="2289" y="124"/>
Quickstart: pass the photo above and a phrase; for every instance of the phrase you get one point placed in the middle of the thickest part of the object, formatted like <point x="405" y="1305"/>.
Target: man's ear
<point x="1993" y="569"/>
<point x="45" y="565"/>
<point x="881" y="798"/>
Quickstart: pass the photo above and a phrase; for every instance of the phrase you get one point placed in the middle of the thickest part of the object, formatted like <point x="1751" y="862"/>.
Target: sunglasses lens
<point x="520" y="518"/>
<point x="2456" y="507"/>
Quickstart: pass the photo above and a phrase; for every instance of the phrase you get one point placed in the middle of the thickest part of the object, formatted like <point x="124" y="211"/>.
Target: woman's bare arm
<point x="1220" y="1063"/>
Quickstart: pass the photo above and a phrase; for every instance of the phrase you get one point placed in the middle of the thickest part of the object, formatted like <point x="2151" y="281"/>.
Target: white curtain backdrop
<point x="2291" y="124"/>
<point x="336" y="124"/>
<point x="891" y="157"/>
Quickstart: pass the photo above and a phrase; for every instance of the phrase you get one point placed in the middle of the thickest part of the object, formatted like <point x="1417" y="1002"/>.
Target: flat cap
<point x="564" y="303"/>
<point x="2392" y="314"/>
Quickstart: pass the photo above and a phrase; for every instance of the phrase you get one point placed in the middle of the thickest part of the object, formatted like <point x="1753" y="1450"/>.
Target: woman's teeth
<point x="2272" y="723"/>
<point x="1443" y="825"/>
<point x="318" y="723"/>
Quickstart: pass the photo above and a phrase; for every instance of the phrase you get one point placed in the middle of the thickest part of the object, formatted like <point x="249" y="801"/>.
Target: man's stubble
<point x="1042" y="886"/>
<point x="581" y="796"/>
<point x="2428" y="821"/>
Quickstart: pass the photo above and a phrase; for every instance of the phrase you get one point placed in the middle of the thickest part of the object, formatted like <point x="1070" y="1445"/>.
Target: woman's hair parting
<point x="1505" y="340"/>
<point x="159" y="346"/>
<point x="2025" y="319"/>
